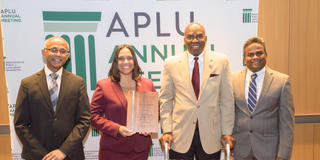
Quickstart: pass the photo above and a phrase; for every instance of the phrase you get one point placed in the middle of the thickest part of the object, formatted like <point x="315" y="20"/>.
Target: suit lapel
<point x="208" y="67"/>
<point x="183" y="75"/>
<point x="183" y="69"/>
<point x="42" y="82"/>
<point x="64" y="87"/>
<point x="138" y="85"/>
<point x="241" y="91"/>
<point x="119" y="93"/>
<point x="267" y="82"/>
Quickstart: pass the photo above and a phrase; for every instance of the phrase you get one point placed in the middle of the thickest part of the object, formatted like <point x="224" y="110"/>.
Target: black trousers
<point x="195" y="151"/>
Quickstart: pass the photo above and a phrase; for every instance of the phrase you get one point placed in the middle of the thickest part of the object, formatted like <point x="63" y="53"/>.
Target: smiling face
<point x="195" y="38"/>
<point x="125" y="61"/>
<point x="255" y="57"/>
<point x="55" y="60"/>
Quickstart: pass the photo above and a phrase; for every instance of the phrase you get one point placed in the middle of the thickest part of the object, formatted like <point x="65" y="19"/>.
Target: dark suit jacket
<point x="42" y="130"/>
<point x="109" y="111"/>
<point x="268" y="131"/>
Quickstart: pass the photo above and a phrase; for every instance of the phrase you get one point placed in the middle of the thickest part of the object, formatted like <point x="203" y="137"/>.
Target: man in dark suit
<point x="264" y="108"/>
<point x="52" y="113"/>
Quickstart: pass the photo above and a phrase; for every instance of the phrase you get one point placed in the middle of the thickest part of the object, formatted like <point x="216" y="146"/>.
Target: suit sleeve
<point x="167" y="95"/>
<point x="99" y="120"/>
<point x="82" y="125"/>
<point x="22" y="124"/>
<point x="226" y="100"/>
<point x="286" y="121"/>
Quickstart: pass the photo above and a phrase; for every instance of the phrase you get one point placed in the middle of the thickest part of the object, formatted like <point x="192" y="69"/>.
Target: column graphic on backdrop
<point x="62" y="23"/>
<point x="248" y="16"/>
<point x="84" y="24"/>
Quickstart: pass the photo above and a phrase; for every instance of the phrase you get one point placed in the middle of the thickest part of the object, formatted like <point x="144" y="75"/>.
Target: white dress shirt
<point x="191" y="64"/>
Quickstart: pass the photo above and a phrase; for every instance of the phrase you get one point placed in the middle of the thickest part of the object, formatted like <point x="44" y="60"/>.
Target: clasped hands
<point x="125" y="132"/>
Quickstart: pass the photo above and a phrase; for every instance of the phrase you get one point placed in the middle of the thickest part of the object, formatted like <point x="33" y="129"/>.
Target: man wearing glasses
<point x="196" y="100"/>
<point x="52" y="114"/>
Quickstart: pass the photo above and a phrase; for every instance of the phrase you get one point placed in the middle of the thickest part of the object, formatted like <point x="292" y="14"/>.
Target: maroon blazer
<point x="109" y="111"/>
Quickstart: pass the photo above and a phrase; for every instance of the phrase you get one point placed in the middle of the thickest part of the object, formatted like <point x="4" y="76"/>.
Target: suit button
<point x="250" y="131"/>
<point x="198" y="106"/>
<point x="250" y="117"/>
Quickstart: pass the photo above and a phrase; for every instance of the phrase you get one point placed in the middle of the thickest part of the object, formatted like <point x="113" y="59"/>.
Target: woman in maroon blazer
<point x="109" y="108"/>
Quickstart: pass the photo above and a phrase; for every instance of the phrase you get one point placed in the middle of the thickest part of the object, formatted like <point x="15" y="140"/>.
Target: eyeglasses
<point x="56" y="50"/>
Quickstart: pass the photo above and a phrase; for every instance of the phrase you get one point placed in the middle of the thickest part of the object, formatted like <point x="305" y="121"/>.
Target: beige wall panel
<point x="304" y="55"/>
<point x="316" y="148"/>
<point x="313" y="57"/>
<point x="274" y="28"/>
<point x="303" y="142"/>
<point x="5" y="147"/>
<point x="4" y="114"/>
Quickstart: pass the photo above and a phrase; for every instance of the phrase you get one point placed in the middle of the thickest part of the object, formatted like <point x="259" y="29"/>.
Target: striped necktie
<point x="252" y="94"/>
<point x="53" y="91"/>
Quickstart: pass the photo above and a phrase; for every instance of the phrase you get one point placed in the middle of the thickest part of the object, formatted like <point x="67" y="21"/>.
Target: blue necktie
<point x="252" y="94"/>
<point x="53" y="90"/>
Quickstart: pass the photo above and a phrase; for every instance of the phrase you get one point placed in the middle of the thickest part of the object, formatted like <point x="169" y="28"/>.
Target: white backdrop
<point x="96" y="27"/>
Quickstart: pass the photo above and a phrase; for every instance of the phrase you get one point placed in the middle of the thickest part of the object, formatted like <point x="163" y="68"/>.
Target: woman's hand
<point x="125" y="132"/>
<point x="145" y="133"/>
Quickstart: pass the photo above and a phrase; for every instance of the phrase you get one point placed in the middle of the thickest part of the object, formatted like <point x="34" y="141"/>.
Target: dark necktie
<point x="53" y="90"/>
<point x="252" y="94"/>
<point x="196" y="77"/>
<point x="196" y="80"/>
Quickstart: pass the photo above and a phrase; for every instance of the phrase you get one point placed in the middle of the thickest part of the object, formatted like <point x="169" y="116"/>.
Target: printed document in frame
<point x="142" y="111"/>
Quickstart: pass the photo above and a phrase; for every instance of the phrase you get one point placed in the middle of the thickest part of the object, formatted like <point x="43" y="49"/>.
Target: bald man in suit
<point x="52" y="114"/>
<point x="197" y="109"/>
<point x="264" y="111"/>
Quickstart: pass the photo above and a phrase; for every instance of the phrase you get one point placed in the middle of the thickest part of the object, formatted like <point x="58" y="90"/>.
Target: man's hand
<point x="228" y="139"/>
<point x="125" y="132"/>
<point x="55" y="155"/>
<point x="167" y="137"/>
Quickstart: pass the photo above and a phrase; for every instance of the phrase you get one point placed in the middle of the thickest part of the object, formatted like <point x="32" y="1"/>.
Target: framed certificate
<point x="142" y="111"/>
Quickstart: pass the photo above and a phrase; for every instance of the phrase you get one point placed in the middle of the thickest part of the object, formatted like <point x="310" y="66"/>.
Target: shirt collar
<point x="47" y="71"/>
<point x="191" y="57"/>
<point x="259" y="73"/>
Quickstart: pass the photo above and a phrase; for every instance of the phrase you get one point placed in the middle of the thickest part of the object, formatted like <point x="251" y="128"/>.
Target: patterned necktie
<point x="252" y="94"/>
<point x="53" y="91"/>
<point x="196" y="77"/>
